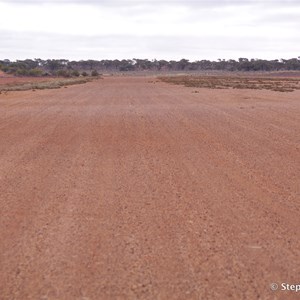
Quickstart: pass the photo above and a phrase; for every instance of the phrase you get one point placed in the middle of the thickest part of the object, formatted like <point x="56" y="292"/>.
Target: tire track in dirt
<point x="126" y="189"/>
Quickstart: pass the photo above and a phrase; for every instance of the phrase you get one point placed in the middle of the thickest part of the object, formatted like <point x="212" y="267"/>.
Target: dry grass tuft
<point x="231" y="82"/>
<point x="42" y="85"/>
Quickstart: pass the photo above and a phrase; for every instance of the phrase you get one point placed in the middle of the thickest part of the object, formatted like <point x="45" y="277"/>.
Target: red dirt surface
<point x="128" y="188"/>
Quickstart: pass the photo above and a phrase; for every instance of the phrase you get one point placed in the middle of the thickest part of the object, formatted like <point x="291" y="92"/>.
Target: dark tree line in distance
<point x="69" y="68"/>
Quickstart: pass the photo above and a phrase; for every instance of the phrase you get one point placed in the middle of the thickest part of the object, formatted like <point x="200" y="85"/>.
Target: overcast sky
<point x="109" y="29"/>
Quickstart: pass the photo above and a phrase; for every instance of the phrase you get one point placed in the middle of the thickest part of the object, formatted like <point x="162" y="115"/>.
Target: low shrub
<point x="75" y="73"/>
<point x="94" y="73"/>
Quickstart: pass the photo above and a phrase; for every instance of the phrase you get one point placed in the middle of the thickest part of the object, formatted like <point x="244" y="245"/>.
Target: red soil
<point x="126" y="188"/>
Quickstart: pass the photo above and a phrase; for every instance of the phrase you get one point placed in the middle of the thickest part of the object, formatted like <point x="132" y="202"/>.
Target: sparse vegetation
<point x="47" y="84"/>
<point x="226" y="82"/>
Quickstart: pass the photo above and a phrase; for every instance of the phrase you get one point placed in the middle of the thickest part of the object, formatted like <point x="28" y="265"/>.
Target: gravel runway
<point x="130" y="188"/>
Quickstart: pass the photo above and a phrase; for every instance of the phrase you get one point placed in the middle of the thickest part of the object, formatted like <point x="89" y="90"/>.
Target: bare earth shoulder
<point x="133" y="188"/>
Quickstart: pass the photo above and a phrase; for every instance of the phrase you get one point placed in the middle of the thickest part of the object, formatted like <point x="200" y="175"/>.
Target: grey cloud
<point x="30" y="45"/>
<point x="280" y="17"/>
<point x="33" y="45"/>
<point x="154" y="5"/>
<point x="193" y="3"/>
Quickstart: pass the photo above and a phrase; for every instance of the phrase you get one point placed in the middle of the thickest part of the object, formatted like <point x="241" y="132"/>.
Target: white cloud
<point x="166" y="29"/>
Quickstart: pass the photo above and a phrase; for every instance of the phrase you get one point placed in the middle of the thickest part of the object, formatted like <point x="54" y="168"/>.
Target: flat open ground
<point x="129" y="188"/>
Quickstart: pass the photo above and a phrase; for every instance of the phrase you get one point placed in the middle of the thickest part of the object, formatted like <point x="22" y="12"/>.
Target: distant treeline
<point x="66" y="68"/>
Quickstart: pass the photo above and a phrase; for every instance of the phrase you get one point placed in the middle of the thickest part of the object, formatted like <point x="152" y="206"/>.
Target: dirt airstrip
<point x="131" y="188"/>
